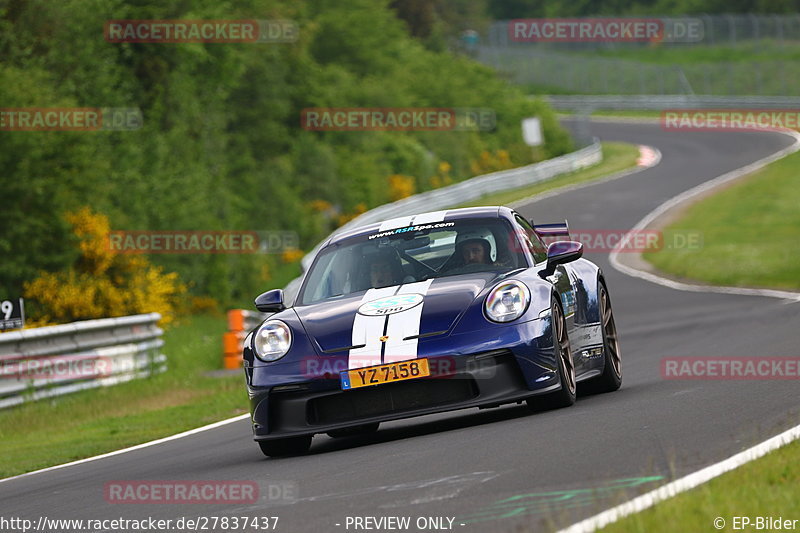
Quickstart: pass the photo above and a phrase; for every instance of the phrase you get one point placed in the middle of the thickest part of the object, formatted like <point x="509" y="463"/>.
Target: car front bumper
<point x="486" y="379"/>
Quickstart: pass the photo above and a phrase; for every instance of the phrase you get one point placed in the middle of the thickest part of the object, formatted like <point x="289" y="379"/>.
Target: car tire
<point x="287" y="446"/>
<point x="364" y="429"/>
<point x="565" y="396"/>
<point x="611" y="378"/>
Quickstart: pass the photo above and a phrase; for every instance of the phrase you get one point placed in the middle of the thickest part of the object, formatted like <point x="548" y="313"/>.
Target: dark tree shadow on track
<point x="455" y="420"/>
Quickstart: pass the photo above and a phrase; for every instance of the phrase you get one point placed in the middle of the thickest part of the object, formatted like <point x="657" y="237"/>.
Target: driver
<point x="381" y="272"/>
<point x="473" y="248"/>
<point x="384" y="269"/>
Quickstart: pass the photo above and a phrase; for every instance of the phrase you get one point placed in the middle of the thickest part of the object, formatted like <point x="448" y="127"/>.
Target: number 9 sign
<point x="7" y="307"/>
<point x="12" y="314"/>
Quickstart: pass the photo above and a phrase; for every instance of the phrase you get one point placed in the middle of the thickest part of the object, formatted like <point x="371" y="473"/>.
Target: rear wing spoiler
<point x="560" y="229"/>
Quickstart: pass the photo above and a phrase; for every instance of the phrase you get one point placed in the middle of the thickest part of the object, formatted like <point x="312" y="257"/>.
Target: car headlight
<point x="507" y="301"/>
<point x="273" y="339"/>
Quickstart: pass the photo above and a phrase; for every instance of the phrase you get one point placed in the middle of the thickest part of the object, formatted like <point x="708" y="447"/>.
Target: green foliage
<point x="222" y="147"/>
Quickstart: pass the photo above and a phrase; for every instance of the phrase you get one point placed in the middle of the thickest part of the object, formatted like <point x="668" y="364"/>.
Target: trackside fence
<point x="54" y="360"/>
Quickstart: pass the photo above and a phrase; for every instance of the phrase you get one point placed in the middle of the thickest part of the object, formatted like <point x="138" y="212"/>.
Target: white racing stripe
<point x="428" y="218"/>
<point x="405" y="324"/>
<point x="395" y="223"/>
<point x="403" y="222"/>
<point x="367" y="330"/>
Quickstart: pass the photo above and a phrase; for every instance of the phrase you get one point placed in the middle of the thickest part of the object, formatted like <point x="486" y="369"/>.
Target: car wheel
<point x="363" y="429"/>
<point x="611" y="378"/>
<point x="565" y="396"/>
<point x="287" y="446"/>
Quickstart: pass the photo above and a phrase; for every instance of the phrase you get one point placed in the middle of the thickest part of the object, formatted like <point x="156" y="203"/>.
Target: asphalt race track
<point x="497" y="469"/>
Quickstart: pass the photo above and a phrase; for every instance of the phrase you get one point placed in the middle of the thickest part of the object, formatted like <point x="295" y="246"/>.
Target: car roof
<point x="430" y="217"/>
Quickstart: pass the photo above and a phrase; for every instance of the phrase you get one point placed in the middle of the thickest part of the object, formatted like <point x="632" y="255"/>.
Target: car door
<point x="563" y="279"/>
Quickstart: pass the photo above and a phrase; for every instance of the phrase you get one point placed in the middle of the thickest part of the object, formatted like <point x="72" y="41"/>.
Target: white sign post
<point x="532" y="131"/>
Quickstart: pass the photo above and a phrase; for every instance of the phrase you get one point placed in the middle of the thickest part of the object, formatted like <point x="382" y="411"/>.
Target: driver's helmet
<point x="482" y="235"/>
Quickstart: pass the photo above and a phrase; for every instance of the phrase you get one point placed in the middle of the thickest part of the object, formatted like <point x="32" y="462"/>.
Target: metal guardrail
<point x="649" y="102"/>
<point x="464" y="191"/>
<point x="54" y="360"/>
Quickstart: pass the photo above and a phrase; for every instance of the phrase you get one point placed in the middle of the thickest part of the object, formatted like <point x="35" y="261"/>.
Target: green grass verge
<point x="616" y="157"/>
<point x="747" y="68"/>
<point x="766" y="487"/>
<point x="749" y="233"/>
<point x="49" y="432"/>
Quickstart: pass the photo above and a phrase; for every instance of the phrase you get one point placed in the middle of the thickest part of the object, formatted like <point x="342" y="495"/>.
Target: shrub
<point x="101" y="283"/>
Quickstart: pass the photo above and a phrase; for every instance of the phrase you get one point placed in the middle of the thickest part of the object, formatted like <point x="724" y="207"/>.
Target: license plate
<point x="389" y="373"/>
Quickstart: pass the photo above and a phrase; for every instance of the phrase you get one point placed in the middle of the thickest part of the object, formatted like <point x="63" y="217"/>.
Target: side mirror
<point x="270" y="301"/>
<point x="561" y="252"/>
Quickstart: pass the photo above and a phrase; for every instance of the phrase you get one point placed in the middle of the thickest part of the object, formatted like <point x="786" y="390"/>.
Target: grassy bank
<point x="766" y="488"/>
<point x="62" y="429"/>
<point x="749" y="233"/>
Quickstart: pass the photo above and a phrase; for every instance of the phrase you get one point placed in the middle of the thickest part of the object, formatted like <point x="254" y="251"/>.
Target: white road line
<point x="695" y="479"/>
<point x="686" y="196"/>
<point x="132" y="448"/>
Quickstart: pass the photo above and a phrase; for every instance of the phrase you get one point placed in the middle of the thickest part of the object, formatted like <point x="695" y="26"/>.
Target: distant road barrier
<point x="54" y="360"/>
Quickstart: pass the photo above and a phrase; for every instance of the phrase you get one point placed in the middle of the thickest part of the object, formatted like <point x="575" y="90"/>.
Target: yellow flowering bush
<point x="491" y="162"/>
<point x="102" y="283"/>
<point x="401" y="186"/>
<point x="442" y="176"/>
<point x="347" y="217"/>
<point x="320" y="206"/>
<point x="291" y="255"/>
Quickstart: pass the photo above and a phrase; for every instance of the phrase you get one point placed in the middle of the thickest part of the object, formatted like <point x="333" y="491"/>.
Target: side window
<point x="535" y="244"/>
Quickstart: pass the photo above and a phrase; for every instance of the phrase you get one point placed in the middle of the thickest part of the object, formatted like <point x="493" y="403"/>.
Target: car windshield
<point x="409" y="254"/>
